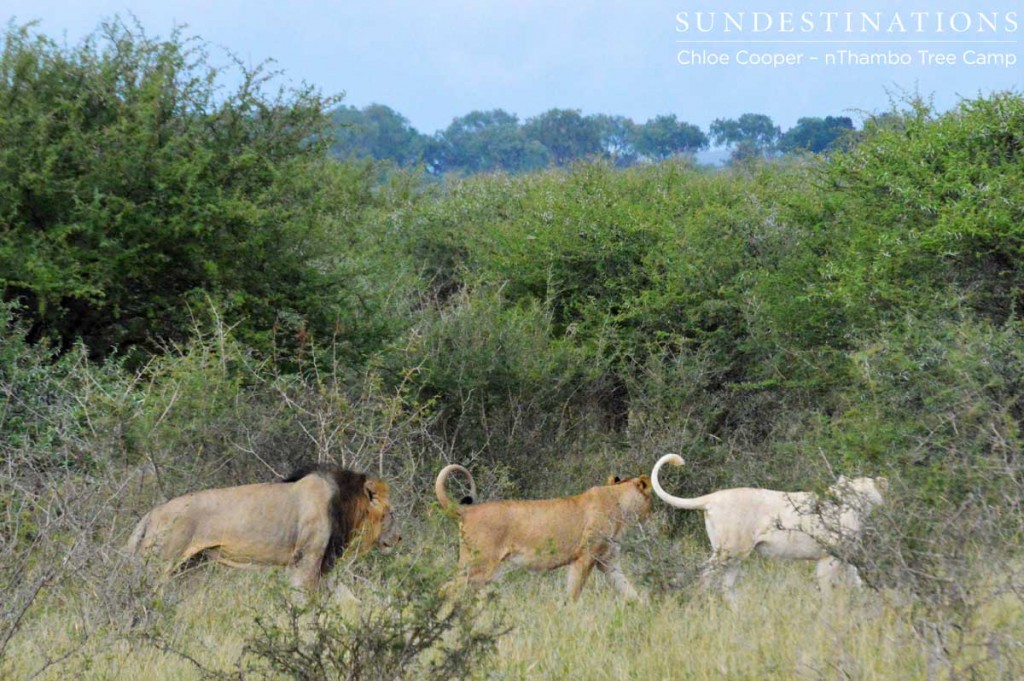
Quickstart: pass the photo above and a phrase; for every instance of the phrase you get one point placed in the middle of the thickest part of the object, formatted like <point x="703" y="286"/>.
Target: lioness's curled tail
<point x="697" y="504"/>
<point x="442" y="496"/>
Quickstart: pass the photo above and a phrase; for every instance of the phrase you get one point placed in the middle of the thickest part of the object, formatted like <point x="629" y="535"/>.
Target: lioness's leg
<point x="479" y="572"/>
<point x="723" y="568"/>
<point x="578" y="573"/>
<point x="730" y="573"/>
<point x="711" y="572"/>
<point x="613" y="572"/>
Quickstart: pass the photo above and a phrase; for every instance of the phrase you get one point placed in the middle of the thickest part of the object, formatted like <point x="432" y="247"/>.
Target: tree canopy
<point x="816" y="134"/>
<point x="566" y="134"/>
<point x="483" y="141"/>
<point x="750" y="135"/>
<point x="376" y="131"/>
<point x="665" y="135"/>
<point x="496" y="140"/>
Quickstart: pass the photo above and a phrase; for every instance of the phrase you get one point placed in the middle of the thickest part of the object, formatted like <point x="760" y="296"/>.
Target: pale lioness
<point x="304" y="523"/>
<point x="581" y="532"/>
<point x="787" y="525"/>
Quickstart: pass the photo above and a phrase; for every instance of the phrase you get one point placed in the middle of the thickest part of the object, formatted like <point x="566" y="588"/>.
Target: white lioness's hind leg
<point x="709" y="574"/>
<point x="720" y="574"/>
<point x="730" y="573"/>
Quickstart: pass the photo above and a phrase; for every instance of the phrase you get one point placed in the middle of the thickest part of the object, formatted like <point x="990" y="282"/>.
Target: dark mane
<point x="347" y="506"/>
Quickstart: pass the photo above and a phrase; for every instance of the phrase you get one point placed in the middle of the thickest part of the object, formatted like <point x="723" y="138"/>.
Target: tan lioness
<point x="787" y="525"/>
<point x="543" y="534"/>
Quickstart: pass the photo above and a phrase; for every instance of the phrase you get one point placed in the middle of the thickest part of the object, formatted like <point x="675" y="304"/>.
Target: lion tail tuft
<point x="442" y="496"/>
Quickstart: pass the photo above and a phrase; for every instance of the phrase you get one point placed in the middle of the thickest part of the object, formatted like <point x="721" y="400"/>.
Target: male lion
<point x="787" y="525"/>
<point x="580" y="531"/>
<point x="304" y="522"/>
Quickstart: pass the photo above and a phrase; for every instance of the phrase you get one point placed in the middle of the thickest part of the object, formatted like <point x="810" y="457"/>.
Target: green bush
<point x="925" y="201"/>
<point x="501" y="383"/>
<point x="132" y="184"/>
<point x="414" y="632"/>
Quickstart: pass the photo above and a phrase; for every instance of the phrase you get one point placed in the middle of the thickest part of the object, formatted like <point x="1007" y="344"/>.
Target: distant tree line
<point x="485" y="141"/>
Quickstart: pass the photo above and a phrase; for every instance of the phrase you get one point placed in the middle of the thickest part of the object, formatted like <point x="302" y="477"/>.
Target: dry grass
<point x="780" y="629"/>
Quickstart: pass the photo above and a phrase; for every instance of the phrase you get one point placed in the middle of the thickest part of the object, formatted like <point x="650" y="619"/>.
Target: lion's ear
<point x="613" y="480"/>
<point x="643" y="482"/>
<point x="882" y="484"/>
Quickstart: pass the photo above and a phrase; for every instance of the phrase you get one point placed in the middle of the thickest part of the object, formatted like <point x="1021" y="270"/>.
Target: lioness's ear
<point x="613" y="480"/>
<point x="882" y="484"/>
<point x="643" y="482"/>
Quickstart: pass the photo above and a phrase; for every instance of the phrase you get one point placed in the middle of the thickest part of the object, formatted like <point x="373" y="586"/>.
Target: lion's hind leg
<point x="178" y="548"/>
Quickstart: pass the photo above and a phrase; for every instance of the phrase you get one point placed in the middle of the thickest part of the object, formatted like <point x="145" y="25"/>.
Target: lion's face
<point x="390" y="533"/>
<point x="380" y="526"/>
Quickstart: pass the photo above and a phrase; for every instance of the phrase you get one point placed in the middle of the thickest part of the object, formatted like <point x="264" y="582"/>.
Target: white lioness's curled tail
<point x="786" y="525"/>
<point x="580" y="532"/>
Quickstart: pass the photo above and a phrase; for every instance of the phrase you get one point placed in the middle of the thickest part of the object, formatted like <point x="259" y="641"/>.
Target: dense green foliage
<point x="132" y="189"/>
<point x="524" y="312"/>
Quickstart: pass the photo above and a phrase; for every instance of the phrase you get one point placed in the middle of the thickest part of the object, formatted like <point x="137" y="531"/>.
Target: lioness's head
<point x="636" y="494"/>
<point x="868" y="492"/>
<point x="379" y="525"/>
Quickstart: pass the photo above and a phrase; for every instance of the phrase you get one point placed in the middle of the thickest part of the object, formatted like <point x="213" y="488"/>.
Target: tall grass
<point x="779" y="628"/>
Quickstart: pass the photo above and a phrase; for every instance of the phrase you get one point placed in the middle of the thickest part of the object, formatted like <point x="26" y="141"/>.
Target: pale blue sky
<point x="437" y="59"/>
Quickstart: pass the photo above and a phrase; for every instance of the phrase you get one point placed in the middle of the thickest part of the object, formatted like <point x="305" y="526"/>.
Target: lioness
<point x="580" y="531"/>
<point x="304" y="523"/>
<point x="787" y="525"/>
